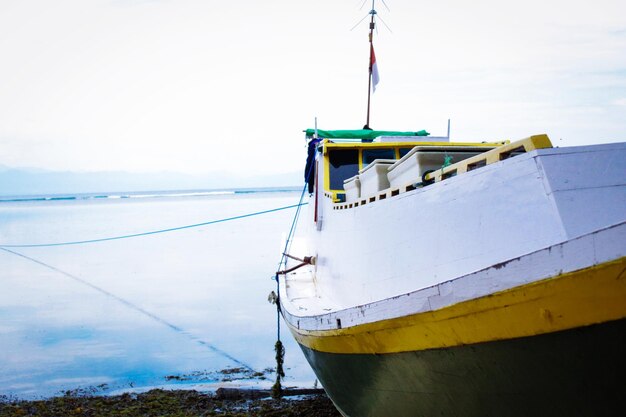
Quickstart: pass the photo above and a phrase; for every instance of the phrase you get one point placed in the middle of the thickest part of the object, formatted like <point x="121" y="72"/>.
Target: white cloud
<point x="619" y="102"/>
<point x="196" y="86"/>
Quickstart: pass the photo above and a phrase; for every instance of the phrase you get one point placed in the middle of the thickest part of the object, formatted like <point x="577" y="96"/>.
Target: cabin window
<point x="404" y="151"/>
<point x="343" y="164"/>
<point x="370" y="154"/>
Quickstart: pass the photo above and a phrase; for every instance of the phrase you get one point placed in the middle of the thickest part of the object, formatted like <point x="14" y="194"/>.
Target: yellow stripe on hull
<point x="593" y="295"/>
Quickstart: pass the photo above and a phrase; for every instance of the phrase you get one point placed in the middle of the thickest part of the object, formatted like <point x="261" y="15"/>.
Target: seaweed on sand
<point x="168" y="403"/>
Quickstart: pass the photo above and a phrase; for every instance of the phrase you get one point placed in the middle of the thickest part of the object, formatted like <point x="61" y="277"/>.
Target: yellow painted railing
<point x="495" y="155"/>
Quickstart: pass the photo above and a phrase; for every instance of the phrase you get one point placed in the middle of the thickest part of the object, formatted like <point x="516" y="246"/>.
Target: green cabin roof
<point x="360" y="133"/>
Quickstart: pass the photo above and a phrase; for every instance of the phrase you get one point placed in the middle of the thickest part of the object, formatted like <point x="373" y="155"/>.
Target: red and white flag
<point x="375" y="76"/>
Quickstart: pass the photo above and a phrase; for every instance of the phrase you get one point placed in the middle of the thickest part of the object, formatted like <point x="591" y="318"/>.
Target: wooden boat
<point x="462" y="279"/>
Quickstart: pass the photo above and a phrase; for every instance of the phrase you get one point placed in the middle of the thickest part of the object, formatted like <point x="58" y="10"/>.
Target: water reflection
<point x="128" y="314"/>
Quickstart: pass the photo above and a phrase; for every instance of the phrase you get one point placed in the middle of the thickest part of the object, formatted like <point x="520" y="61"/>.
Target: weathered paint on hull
<point x="587" y="296"/>
<point x="576" y="372"/>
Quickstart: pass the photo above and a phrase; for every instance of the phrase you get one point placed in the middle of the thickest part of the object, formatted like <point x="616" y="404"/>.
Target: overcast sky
<point x="204" y="85"/>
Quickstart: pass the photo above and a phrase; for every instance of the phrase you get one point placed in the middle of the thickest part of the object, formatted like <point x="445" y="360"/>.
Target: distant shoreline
<point x="22" y="182"/>
<point x="144" y="194"/>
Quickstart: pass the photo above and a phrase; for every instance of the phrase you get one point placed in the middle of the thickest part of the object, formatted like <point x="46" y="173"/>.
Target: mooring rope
<point x="5" y="247"/>
<point x="154" y="232"/>
<point x="279" y="348"/>
<point x="135" y="307"/>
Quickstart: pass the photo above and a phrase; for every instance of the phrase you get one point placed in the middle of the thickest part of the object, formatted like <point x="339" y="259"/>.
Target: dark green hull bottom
<point x="580" y="372"/>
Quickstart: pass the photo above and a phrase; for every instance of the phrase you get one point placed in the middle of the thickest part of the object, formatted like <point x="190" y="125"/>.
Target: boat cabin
<point x="358" y="167"/>
<point x="359" y="164"/>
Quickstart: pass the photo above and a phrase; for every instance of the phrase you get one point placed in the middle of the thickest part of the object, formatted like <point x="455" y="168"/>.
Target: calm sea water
<point x="165" y="310"/>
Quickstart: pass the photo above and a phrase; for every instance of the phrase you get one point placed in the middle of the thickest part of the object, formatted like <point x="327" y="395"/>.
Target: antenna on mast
<point x="372" y="79"/>
<point x="371" y="63"/>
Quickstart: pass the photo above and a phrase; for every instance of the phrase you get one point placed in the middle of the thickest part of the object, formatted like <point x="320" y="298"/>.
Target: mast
<point x="369" y="78"/>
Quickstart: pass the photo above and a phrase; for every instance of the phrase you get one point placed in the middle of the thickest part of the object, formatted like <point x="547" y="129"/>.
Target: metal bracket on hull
<point x="307" y="260"/>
